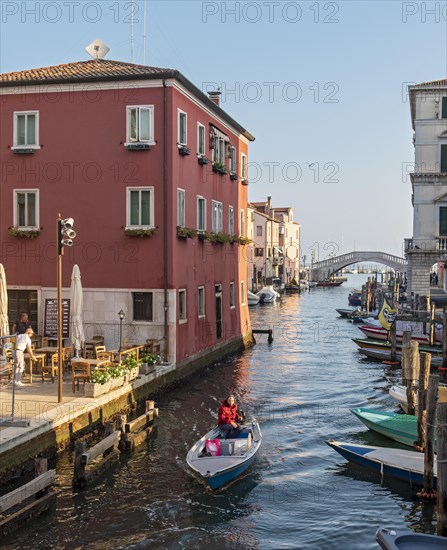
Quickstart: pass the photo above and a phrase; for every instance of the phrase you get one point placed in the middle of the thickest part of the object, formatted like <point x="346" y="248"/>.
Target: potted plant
<point x="140" y="232"/>
<point x="219" y="167"/>
<point x="98" y="384"/>
<point x="219" y="238"/>
<point x="202" y="159"/>
<point x="130" y="366"/>
<point x="24" y="233"/>
<point x="203" y="235"/>
<point x="244" y="240"/>
<point x="183" y="150"/>
<point x="148" y="363"/>
<point x="233" y="176"/>
<point x="185" y="232"/>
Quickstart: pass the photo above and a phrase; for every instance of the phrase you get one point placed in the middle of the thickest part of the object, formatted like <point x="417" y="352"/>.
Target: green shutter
<point x="443" y="221"/>
<point x="444" y="107"/>
<point x="443" y="158"/>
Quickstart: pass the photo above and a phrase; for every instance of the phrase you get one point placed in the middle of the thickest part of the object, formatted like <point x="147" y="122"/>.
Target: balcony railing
<point x="432" y="245"/>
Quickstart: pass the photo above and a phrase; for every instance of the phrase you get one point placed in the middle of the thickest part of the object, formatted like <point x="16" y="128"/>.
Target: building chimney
<point x="215" y="96"/>
<point x="269" y="205"/>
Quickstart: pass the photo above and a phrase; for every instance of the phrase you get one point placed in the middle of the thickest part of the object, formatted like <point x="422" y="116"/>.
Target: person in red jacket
<point x="228" y="417"/>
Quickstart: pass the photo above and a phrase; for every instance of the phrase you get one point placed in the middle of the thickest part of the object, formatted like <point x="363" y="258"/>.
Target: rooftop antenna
<point x="97" y="49"/>
<point x="144" y="31"/>
<point x="132" y="8"/>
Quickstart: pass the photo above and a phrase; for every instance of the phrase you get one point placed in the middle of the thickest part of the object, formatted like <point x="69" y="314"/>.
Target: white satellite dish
<point x="97" y="49"/>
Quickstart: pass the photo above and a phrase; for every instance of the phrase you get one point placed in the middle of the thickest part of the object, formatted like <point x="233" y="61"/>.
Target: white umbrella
<point x="77" y="328"/>
<point x="4" y="325"/>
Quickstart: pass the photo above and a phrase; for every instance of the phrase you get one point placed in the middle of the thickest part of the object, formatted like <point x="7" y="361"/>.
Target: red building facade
<point x="153" y="172"/>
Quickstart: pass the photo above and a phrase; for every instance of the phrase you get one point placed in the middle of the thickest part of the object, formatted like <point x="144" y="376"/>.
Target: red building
<point x="152" y="171"/>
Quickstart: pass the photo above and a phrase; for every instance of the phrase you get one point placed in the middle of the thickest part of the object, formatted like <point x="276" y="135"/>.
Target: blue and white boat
<point x="397" y="463"/>
<point x="389" y="539"/>
<point x="236" y="455"/>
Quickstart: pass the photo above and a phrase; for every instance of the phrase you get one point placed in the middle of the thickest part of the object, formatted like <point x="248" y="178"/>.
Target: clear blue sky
<point x="317" y="83"/>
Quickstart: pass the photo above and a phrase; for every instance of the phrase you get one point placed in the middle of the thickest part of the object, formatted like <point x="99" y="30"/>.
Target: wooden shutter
<point x="444" y="107"/>
<point x="443" y="221"/>
<point x="443" y="158"/>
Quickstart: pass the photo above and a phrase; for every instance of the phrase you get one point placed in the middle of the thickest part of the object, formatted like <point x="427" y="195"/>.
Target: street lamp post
<point x="65" y="236"/>
<point x="121" y="315"/>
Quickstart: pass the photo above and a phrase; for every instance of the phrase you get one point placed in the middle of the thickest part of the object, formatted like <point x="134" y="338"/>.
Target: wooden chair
<point x="104" y="355"/>
<point x="6" y="369"/>
<point x="52" y="368"/>
<point x="98" y="339"/>
<point x="99" y="349"/>
<point x="80" y="372"/>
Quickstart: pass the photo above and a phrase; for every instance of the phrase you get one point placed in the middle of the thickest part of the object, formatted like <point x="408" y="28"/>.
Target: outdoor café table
<point x="40" y="360"/>
<point x="47" y="350"/>
<point x="92" y="363"/>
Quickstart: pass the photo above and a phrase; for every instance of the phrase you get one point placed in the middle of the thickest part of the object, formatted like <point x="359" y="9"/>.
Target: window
<point x="232" y="304"/>
<point x="233" y="160"/>
<point x="201" y="302"/>
<point x="231" y="220"/>
<point x="243" y="294"/>
<point x="444" y="107"/>
<point x="182" y="305"/>
<point x="140" y="124"/>
<point x="26" y="129"/>
<point x="181" y="128"/>
<point x="219" y="150"/>
<point x="142" y="306"/>
<point x="242" y="224"/>
<point x="443" y="221"/>
<point x="443" y="158"/>
<point x="200" y="139"/>
<point x="26" y="211"/>
<point x="259" y="252"/>
<point x="216" y="224"/>
<point x="140" y="208"/>
<point x="259" y="230"/>
<point x="201" y="214"/>
<point x="243" y="166"/>
<point x="180" y="207"/>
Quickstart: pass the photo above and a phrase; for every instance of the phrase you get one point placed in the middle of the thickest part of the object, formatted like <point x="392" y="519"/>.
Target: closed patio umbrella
<point x="77" y="328"/>
<point x="4" y="326"/>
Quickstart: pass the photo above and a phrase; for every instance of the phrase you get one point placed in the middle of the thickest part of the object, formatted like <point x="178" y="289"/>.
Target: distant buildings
<point x="276" y="244"/>
<point x="154" y="174"/>
<point x="428" y="245"/>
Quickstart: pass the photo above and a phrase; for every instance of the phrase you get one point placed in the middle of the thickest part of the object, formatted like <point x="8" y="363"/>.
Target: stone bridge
<point x="326" y="268"/>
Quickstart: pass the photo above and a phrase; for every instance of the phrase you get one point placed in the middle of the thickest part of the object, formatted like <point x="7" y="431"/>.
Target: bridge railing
<point x="360" y="256"/>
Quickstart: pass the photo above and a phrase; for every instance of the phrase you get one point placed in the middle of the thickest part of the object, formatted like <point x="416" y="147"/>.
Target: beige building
<point x="276" y="244"/>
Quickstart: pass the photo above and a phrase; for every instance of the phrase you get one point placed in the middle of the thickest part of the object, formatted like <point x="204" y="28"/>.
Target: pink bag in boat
<point x="213" y="447"/>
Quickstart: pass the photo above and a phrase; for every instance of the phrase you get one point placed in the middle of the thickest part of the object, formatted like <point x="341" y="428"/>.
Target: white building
<point x="428" y="245"/>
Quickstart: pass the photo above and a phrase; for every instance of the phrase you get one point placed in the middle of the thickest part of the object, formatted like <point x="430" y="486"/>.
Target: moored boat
<point x="402" y="428"/>
<point x="233" y="458"/>
<point x="379" y="333"/>
<point x="267" y="295"/>
<point x="252" y="298"/>
<point x="329" y="283"/>
<point x="380" y="344"/>
<point x="389" y="539"/>
<point x="404" y="465"/>
<point x="385" y="355"/>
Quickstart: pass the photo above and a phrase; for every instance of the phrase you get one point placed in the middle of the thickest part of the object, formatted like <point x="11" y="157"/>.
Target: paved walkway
<point x="38" y="403"/>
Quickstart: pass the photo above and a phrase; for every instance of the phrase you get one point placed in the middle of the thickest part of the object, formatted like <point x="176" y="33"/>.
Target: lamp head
<point x="121" y="314"/>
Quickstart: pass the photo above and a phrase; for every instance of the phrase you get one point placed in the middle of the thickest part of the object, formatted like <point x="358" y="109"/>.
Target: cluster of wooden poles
<point x="428" y="400"/>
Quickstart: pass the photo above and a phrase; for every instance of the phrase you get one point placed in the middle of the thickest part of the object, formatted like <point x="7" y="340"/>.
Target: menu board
<point x="50" y="327"/>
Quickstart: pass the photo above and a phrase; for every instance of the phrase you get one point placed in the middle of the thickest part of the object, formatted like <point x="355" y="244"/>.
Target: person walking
<point x="21" y="325"/>
<point x="23" y="344"/>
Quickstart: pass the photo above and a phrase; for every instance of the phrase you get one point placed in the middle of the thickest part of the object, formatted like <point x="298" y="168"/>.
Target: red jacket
<point x="227" y="414"/>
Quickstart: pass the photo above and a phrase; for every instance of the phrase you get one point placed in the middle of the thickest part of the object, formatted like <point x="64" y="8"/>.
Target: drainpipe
<point x="165" y="221"/>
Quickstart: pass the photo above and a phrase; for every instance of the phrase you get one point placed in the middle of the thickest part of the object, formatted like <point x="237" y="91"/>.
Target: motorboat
<point x="389" y="539"/>
<point x="253" y="299"/>
<point x="267" y="295"/>
<point x="219" y="461"/>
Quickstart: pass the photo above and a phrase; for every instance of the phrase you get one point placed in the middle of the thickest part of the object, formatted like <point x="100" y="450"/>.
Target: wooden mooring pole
<point x="441" y="508"/>
<point x="393" y="342"/>
<point x="424" y="373"/>
<point x="444" y="337"/>
<point x="430" y="420"/>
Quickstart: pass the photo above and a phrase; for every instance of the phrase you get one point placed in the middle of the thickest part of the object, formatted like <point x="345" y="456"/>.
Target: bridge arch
<point x="328" y="267"/>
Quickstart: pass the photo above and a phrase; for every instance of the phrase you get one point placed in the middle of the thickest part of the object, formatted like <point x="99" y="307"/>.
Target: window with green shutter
<point x="443" y="221"/>
<point x="444" y="107"/>
<point x="443" y="158"/>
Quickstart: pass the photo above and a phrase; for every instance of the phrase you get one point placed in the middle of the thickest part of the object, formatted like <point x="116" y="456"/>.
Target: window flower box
<point x="203" y="160"/>
<point x="140" y="232"/>
<point x="219" y="238"/>
<point x="203" y="235"/>
<point x="95" y="389"/>
<point x="244" y="181"/>
<point x="24" y="233"/>
<point x="233" y="177"/>
<point x="183" y="150"/>
<point x="219" y="168"/>
<point x="244" y="240"/>
<point x="185" y="232"/>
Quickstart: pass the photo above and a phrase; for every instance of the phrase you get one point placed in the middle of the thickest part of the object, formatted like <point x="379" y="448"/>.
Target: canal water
<point x="299" y="494"/>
